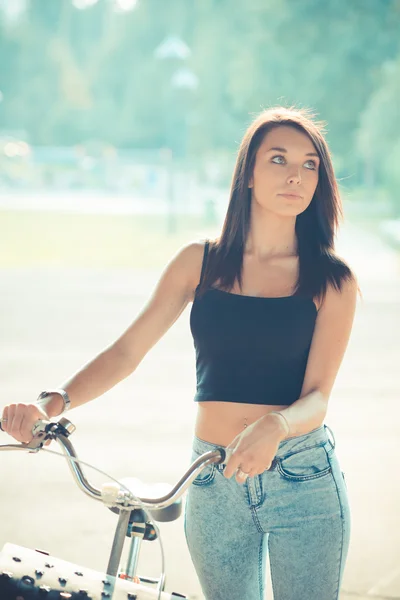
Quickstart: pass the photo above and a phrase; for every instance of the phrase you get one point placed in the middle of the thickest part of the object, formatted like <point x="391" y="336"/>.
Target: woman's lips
<point x="293" y="196"/>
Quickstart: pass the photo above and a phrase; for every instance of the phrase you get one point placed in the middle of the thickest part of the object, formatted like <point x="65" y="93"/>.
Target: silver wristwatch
<point x="62" y="393"/>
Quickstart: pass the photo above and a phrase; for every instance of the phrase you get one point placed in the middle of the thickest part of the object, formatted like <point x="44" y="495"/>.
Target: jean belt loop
<point x="333" y="441"/>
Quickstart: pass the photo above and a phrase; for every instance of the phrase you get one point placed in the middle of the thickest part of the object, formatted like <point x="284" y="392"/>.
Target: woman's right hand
<point x="19" y="419"/>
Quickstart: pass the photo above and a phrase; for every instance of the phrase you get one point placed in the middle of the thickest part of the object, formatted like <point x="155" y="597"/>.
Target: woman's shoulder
<point x="190" y="257"/>
<point x="193" y="252"/>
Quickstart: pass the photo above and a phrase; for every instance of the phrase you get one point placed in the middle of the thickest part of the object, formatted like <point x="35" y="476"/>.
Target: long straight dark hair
<point x="315" y="227"/>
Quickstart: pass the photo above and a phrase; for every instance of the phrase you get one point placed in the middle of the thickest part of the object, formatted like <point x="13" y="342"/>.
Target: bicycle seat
<point x="152" y="490"/>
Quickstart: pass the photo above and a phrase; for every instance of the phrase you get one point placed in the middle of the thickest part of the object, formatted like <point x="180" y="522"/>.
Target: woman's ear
<point x="250" y="184"/>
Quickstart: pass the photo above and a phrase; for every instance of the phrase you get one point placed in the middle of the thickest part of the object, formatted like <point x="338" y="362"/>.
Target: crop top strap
<point x="203" y="266"/>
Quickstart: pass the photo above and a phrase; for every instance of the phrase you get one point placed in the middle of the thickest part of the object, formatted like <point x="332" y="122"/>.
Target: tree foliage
<point x="67" y="75"/>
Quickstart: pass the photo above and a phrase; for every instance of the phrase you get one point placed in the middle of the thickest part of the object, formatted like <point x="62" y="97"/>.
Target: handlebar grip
<point x="39" y="426"/>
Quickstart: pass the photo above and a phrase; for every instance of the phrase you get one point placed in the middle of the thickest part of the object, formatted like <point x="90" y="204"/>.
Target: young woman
<point x="272" y="312"/>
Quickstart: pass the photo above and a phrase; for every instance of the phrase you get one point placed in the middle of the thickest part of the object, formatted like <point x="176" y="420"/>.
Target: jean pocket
<point x="304" y="465"/>
<point x="206" y="475"/>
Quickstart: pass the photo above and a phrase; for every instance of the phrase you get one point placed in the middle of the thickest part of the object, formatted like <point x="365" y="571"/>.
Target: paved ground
<point x="54" y="320"/>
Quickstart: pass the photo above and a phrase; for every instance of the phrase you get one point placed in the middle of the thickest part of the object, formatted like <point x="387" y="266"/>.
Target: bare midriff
<point x="220" y="422"/>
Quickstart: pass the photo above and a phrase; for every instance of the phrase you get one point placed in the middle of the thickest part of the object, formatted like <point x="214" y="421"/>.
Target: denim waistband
<point x="312" y="438"/>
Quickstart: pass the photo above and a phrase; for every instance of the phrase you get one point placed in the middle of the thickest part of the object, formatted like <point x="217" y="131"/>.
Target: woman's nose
<point x="294" y="177"/>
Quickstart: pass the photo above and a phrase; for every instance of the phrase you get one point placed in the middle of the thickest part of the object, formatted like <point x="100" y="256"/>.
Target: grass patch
<point x="30" y="238"/>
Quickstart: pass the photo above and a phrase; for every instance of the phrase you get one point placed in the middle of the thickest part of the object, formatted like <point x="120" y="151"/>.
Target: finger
<point x="15" y="423"/>
<point x="21" y="425"/>
<point x="252" y="472"/>
<point x="242" y="474"/>
<point x="246" y="468"/>
<point x="4" y="423"/>
<point x="10" y="417"/>
<point x="228" y="454"/>
<point x="25" y="430"/>
<point x="232" y="464"/>
<point x="21" y="433"/>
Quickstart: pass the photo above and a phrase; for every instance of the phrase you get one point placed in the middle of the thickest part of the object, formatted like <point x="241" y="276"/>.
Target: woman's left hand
<point x="253" y="450"/>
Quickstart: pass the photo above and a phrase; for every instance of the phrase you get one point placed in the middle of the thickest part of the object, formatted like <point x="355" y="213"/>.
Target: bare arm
<point x="329" y="343"/>
<point x="172" y="294"/>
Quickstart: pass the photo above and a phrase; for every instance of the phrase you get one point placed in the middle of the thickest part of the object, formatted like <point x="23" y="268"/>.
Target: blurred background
<point x="120" y="121"/>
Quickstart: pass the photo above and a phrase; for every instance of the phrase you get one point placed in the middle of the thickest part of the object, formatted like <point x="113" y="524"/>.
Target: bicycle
<point x="27" y="574"/>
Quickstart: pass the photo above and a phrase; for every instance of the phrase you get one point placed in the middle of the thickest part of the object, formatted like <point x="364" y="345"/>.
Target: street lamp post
<point x="180" y="80"/>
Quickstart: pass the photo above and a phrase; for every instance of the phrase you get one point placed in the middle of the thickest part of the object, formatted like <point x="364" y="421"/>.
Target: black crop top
<point x="250" y="349"/>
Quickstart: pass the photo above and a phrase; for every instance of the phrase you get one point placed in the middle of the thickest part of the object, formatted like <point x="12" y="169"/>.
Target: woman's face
<point x="283" y="165"/>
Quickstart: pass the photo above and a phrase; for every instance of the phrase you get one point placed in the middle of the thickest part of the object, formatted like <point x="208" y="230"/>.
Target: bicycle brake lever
<point x="40" y="431"/>
<point x="44" y="430"/>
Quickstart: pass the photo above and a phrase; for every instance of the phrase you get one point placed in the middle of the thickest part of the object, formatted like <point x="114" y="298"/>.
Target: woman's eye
<point x="313" y="168"/>
<point x="314" y="164"/>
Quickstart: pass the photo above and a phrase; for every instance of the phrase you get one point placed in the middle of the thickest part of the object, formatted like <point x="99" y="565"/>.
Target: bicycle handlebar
<point x="61" y="430"/>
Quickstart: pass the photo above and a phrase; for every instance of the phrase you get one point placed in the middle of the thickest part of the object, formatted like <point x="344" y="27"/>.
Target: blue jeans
<point x="297" y="511"/>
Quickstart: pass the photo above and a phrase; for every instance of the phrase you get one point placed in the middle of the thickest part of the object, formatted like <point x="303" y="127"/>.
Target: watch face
<point x="62" y="393"/>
